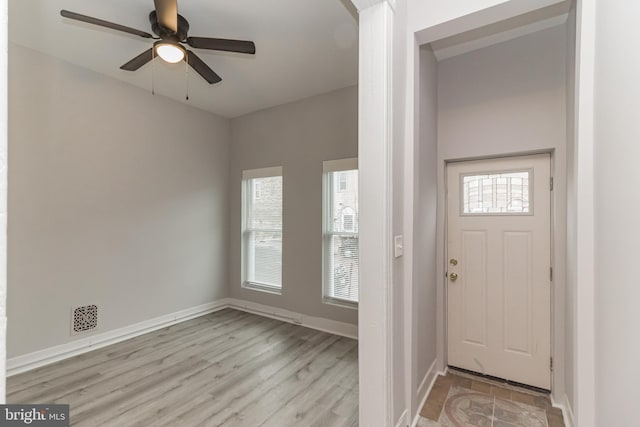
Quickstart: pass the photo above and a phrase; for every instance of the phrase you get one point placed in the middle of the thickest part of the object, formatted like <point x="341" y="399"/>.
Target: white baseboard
<point x="567" y="411"/>
<point x="402" y="421"/>
<point x="425" y="388"/>
<point x="319" y="323"/>
<point x="34" y="360"/>
<point x="27" y="362"/>
<point x="427" y="382"/>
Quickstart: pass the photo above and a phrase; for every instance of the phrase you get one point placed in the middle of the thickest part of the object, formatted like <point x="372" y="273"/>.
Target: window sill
<point x="262" y="288"/>
<point x="340" y="303"/>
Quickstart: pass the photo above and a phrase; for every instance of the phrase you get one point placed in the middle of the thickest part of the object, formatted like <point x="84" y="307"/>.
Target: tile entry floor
<point x="459" y="399"/>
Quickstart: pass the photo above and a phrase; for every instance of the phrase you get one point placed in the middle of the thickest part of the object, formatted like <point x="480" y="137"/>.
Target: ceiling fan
<point x="171" y="30"/>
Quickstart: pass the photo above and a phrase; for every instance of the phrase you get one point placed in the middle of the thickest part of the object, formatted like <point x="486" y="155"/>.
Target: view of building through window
<point x="262" y="232"/>
<point x="341" y="236"/>
<point x="262" y="245"/>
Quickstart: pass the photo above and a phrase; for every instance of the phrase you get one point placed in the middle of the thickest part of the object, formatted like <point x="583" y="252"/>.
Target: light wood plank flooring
<point x="227" y="368"/>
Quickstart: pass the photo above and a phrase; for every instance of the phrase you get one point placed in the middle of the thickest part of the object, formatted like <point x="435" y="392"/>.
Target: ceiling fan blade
<point x="167" y="12"/>
<point x="102" y="23"/>
<point x="240" y="46"/>
<point x="138" y="61"/>
<point x="203" y="69"/>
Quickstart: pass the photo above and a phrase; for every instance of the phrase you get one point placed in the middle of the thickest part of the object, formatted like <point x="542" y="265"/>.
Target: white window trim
<point x="340" y="165"/>
<point x="246" y="194"/>
<point x="327" y="167"/>
<point x="261" y="173"/>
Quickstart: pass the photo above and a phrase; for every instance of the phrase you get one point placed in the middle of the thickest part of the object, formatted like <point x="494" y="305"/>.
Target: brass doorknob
<point x="453" y="277"/>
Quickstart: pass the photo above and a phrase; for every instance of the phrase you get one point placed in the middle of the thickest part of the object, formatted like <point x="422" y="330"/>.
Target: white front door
<point x="498" y="262"/>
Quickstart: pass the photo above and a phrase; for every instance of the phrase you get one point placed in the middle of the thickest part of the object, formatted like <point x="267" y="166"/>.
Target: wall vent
<point x="84" y="319"/>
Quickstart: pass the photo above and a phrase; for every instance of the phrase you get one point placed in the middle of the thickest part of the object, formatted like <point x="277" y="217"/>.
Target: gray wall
<point x="617" y="203"/>
<point x="512" y="98"/>
<point x="505" y="98"/>
<point x="297" y="136"/>
<point x="425" y="304"/>
<point x="116" y="197"/>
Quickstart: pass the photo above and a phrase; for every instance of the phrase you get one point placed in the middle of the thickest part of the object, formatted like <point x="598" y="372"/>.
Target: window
<point x="342" y="181"/>
<point x="257" y="189"/>
<point x="340" y="229"/>
<point x="500" y="193"/>
<point x="262" y="229"/>
<point x="348" y="219"/>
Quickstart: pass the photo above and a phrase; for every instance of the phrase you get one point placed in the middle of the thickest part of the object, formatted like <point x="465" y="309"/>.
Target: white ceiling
<point x="303" y="47"/>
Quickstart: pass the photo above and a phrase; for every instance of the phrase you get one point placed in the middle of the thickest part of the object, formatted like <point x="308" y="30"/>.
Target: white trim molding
<point x="340" y="165"/>
<point x="426" y="30"/>
<point x="261" y="173"/>
<point x="34" y="360"/>
<point x="402" y="420"/>
<point x="442" y="53"/>
<point x="424" y="390"/>
<point x="375" y="317"/>
<point x="567" y="411"/>
<point x="366" y="4"/>
<point x="585" y="347"/>
<point x="27" y="362"/>
<point x="348" y="330"/>
<point x="427" y="383"/>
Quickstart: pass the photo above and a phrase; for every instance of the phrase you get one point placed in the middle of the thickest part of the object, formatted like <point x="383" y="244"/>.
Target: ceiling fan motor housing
<point x="166" y="33"/>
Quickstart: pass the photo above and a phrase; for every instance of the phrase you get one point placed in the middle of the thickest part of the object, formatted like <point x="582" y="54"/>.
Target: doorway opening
<point x="499" y="91"/>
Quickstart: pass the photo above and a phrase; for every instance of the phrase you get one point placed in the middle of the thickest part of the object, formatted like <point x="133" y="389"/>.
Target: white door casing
<point x="499" y="306"/>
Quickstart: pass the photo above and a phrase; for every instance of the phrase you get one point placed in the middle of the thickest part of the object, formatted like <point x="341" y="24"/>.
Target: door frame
<point x="441" y="263"/>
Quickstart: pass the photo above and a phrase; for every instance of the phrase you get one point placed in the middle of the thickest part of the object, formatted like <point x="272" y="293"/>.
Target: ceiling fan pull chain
<point x="186" y="73"/>
<point x="153" y="67"/>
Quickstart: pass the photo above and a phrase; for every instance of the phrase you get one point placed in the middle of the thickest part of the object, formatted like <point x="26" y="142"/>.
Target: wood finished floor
<point x="227" y="368"/>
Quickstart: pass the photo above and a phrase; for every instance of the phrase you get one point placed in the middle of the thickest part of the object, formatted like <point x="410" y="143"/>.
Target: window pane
<point x="347" y="222"/>
<point x="265" y="207"/>
<point x="257" y="189"/>
<point x="344" y="201"/>
<point x="262" y="241"/>
<point x="343" y="267"/>
<point x="342" y="181"/>
<point x="267" y="258"/>
<point x="341" y="236"/>
<point x="502" y="193"/>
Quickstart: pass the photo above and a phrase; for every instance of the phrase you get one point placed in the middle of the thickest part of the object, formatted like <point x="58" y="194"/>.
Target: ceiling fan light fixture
<point x="171" y="30"/>
<point x="169" y="51"/>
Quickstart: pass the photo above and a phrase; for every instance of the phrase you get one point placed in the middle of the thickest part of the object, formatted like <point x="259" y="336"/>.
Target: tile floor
<point x="460" y="400"/>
